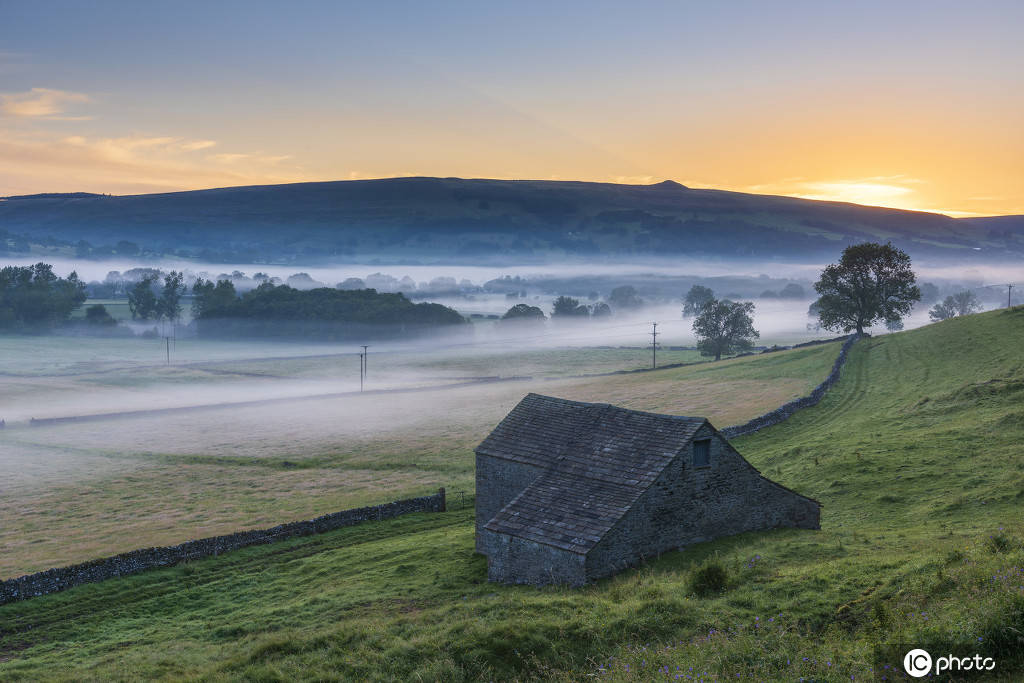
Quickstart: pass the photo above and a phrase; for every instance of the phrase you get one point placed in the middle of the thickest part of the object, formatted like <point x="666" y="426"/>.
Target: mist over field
<point x="147" y="374"/>
<point x="973" y="272"/>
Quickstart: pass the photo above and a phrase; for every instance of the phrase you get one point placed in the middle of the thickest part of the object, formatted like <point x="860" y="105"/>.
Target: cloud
<point x="897" y="191"/>
<point x="857" y="191"/>
<point x="197" y="145"/>
<point x="360" y="175"/>
<point x="636" y="179"/>
<point x="228" y="158"/>
<point x="128" y="165"/>
<point x="41" y="103"/>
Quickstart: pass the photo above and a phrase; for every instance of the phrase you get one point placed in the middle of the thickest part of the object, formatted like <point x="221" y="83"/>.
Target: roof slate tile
<point x="597" y="458"/>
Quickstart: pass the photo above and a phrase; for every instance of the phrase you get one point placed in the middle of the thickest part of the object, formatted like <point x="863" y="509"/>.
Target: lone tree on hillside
<point x="961" y="303"/>
<point x="871" y="282"/>
<point x="725" y="327"/>
<point x="695" y="300"/>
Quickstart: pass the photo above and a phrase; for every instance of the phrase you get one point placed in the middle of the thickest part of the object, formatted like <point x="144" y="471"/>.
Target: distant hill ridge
<point x="453" y="219"/>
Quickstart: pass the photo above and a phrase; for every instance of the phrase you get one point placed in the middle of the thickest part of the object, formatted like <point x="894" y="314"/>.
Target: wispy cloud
<point x="129" y="164"/>
<point x="360" y="175"/>
<point x="35" y="156"/>
<point x="897" y="191"/>
<point x="636" y="179"/>
<point x="228" y="158"/>
<point x="197" y="145"/>
<point x="41" y="103"/>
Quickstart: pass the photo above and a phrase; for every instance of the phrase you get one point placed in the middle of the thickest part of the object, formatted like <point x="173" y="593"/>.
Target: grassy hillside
<point x="453" y="219"/>
<point x="915" y="455"/>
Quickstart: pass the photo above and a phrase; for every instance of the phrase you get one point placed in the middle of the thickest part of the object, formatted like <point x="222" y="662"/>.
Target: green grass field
<point x="117" y="308"/>
<point x="915" y="455"/>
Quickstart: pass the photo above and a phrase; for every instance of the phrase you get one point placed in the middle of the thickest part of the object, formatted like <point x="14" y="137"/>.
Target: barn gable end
<point x="568" y="492"/>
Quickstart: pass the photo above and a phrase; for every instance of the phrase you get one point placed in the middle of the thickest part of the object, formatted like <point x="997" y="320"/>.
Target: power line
<point x="1009" y="291"/>
<point x="654" y="346"/>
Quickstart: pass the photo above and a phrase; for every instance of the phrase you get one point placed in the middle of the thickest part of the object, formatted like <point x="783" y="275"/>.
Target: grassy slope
<point x="915" y="455"/>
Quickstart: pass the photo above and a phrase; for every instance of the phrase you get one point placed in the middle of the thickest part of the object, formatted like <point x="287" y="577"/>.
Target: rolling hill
<point x="451" y="219"/>
<point x="915" y="455"/>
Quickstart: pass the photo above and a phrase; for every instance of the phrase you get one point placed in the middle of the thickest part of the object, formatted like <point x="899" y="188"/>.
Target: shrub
<point x="709" y="579"/>
<point x="1000" y="543"/>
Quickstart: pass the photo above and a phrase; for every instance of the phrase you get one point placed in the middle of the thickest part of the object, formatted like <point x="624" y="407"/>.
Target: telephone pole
<point x="654" y="346"/>
<point x="360" y="372"/>
<point x="366" y="357"/>
<point x="168" y="340"/>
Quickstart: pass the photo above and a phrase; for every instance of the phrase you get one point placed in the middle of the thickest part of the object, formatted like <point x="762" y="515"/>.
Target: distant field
<point x="118" y="308"/>
<point x="915" y="455"/>
<point x="82" y="490"/>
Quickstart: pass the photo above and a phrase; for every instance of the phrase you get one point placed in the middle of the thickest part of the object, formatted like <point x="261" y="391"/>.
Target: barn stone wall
<point x="498" y="481"/>
<point x="688" y="504"/>
<point x="516" y="560"/>
<point x="53" y="580"/>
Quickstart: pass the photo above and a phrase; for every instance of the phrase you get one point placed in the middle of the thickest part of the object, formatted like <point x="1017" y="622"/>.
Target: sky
<point x="915" y="105"/>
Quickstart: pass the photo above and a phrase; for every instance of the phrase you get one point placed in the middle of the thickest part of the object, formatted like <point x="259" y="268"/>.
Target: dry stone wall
<point x="786" y="410"/>
<point x="53" y="580"/>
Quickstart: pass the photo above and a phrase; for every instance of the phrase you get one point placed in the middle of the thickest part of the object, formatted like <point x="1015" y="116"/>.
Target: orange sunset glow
<point x="900" y="114"/>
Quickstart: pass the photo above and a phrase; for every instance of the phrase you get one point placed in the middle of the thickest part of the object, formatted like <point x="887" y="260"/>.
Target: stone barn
<point x="569" y="492"/>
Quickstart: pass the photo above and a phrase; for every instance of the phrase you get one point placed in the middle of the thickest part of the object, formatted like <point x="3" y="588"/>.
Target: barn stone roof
<point x="598" y="460"/>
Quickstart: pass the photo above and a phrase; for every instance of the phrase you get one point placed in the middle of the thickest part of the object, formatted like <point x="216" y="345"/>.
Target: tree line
<point x="33" y="298"/>
<point x="325" y="313"/>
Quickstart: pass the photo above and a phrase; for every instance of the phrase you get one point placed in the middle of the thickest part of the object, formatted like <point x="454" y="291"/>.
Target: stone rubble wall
<point x="58" y="579"/>
<point x="785" y="411"/>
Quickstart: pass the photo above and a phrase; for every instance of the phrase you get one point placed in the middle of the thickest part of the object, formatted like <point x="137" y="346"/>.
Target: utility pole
<point x="168" y="340"/>
<point x="1009" y="290"/>
<point x="360" y="371"/>
<point x="654" y="346"/>
<point x="365" y="358"/>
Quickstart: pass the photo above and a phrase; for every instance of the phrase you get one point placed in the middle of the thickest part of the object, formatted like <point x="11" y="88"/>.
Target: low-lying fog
<point x="954" y="273"/>
<point x="133" y="373"/>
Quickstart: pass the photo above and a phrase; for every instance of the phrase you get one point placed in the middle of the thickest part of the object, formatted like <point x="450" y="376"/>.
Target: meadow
<point x="246" y="436"/>
<point x="915" y="455"/>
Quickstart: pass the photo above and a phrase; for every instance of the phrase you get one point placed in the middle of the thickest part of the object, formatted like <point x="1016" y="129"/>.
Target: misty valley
<point x="147" y="404"/>
<point x="487" y="342"/>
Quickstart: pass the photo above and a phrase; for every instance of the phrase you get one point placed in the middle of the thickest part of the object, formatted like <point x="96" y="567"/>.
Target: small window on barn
<point x="702" y="453"/>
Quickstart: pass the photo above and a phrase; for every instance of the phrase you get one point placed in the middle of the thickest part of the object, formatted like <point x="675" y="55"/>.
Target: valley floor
<point x="76" y="491"/>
